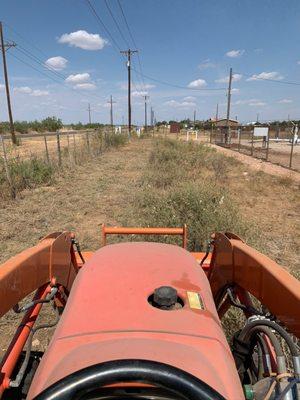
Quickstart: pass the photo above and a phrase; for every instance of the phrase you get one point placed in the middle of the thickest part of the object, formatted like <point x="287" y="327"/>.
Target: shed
<point x="222" y="123"/>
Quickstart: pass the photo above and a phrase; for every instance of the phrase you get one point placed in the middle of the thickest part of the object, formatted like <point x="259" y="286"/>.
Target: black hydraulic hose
<point x="275" y="343"/>
<point x="74" y="386"/>
<point x="17" y="381"/>
<point x="272" y="324"/>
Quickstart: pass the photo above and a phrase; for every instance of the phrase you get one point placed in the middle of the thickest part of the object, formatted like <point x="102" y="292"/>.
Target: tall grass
<point x="185" y="183"/>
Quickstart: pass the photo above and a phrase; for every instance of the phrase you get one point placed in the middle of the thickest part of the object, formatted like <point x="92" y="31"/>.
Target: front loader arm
<point x="236" y="264"/>
<point x="50" y="261"/>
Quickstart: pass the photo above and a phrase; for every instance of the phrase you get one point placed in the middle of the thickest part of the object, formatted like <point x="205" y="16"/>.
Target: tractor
<point x="143" y="320"/>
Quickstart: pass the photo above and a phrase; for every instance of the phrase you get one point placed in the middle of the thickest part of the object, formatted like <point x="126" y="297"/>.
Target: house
<point x="222" y="123"/>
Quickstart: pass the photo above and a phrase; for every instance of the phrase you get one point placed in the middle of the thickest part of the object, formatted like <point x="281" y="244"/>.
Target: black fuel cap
<point x="165" y="296"/>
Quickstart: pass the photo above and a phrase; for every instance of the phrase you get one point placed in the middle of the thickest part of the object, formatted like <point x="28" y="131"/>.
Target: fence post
<point x="58" y="148"/>
<point x="211" y="133"/>
<point x="7" y="172"/>
<point x="292" y="151"/>
<point x="88" y="142"/>
<point x="240" y="138"/>
<point x="46" y="149"/>
<point x="268" y="143"/>
<point x="74" y="147"/>
<point x="252" y="142"/>
<point x="69" y="154"/>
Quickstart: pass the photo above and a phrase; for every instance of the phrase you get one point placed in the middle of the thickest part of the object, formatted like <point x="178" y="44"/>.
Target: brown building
<point x="222" y="123"/>
<point x="174" y="127"/>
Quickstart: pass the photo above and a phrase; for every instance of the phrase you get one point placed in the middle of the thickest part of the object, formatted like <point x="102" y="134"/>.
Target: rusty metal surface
<point x="234" y="262"/>
<point x="49" y="260"/>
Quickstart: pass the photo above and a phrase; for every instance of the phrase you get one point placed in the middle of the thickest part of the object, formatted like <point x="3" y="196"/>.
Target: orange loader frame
<point x="54" y="262"/>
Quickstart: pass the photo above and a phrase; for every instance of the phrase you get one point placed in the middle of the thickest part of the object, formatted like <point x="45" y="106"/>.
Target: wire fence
<point x="36" y="158"/>
<point x="279" y="147"/>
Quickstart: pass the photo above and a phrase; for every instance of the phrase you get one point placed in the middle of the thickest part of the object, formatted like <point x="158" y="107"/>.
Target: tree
<point x="51" y="124"/>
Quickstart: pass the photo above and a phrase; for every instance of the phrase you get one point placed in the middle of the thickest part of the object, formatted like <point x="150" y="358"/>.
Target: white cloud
<point x="78" y="78"/>
<point x="56" y="63"/>
<point x="250" y="102"/>
<point x="31" y="92"/>
<point x="235" y="53"/>
<point x="22" y="89"/>
<point x="235" y="78"/>
<point x="147" y="86"/>
<point x="184" y="104"/>
<point x="2" y="86"/>
<point x="266" y="75"/>
<point x="138" y="93"/>
<point x="285" y="101"/>
<point x="298" y="62"/>
<point x="83" y="40"/>
<point x="38" y="93"/>
<point x="85" y="86"/>
<point x="198" y="83"/>
<point x="189" y="98"/>
<point x="206" y="64"/>
<point x="235" y="90"/>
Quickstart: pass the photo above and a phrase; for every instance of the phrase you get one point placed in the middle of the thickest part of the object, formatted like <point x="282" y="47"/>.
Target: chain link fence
<point x="280" y="147"/>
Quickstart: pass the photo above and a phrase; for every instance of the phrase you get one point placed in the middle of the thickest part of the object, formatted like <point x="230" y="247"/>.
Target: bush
<point x="51" y="124"/>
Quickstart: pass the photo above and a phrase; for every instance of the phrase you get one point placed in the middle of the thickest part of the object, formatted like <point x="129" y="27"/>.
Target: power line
<point x="269" y="79"/>
<point x="92" y="8"/>
<point x="132" y="38"/>
<point x="116" y="23"/>
<point x="177" y="86"/>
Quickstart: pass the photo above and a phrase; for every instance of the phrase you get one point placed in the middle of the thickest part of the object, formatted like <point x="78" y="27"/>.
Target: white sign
<point x="261" y="131"/>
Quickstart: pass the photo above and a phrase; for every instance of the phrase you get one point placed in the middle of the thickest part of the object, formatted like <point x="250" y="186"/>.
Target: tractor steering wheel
<point x="82" y="382"/>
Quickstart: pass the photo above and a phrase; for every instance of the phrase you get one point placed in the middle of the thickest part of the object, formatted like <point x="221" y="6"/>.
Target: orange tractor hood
<point x="108" y="317"/>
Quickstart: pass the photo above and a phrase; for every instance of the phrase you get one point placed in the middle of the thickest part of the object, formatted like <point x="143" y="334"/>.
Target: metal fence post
<point x="7" y="172"/>
<point x="252" y="142"/>
<point x="240" y="138"/>
<point x="88" y="142"/>
<point x="268" y="144"/>
<point x="58" y="148"/>
<point x="46" y="149"/>
<point x="292" y="151"/>
<point x="74" y="147"/>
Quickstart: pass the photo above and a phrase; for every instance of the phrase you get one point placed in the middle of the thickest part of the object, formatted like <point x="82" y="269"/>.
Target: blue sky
<point x="189" y="43"/>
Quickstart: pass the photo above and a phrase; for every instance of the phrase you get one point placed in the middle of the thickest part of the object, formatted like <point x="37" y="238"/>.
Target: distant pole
<point x="257" y="117"/>
<point x="194" y="119"/>
<point x="151" y="117"/>
<point x="128" y="53"/>
<point x="229" y="97"/>
<point x="146" y="98"/>
<point x="89" y="111"/>
<point x="5" y="46"/>
<point x="217" y="112"/>
<point x="227" y="133"/>
<point x="111" y="102"/>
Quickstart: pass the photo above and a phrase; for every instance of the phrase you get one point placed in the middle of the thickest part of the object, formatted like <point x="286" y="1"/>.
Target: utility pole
<point x="5" y="46"/>
<point x="229" y="96"/>
<point x="217" y="112"/>
<point x="194" y="119"/>
<point x="257" y="117"/>
<point x="111" y="102"/>
<point x="146" y="98"/>
<point x="151" y="117"/>
<point x="89" y="111"/>
<point x="128" y="53"/>
<point x="227" y="133"/>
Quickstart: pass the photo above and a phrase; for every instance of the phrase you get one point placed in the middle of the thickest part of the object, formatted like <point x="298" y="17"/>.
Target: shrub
<point x="51" y="124"/>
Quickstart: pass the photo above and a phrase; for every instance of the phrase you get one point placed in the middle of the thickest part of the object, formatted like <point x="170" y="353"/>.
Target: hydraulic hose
<point x="244" y="335"/>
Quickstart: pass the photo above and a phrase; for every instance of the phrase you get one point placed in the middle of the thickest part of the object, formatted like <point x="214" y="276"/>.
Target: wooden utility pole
<point x="111" y="102"/>
<point x="146" y="98"/>
<point x="194" y="119"/>
<point x="227" y="133"/>
<point x="89" y="111"/>
<point x="128" y="53"/>
<point x="217" y="112"/>
<point x="5" y="46"/>
<point x="229" y="96"/>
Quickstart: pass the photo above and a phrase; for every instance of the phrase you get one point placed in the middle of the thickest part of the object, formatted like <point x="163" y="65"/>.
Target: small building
<point x="174" y="127"/>
<point x="222" y="123"/>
